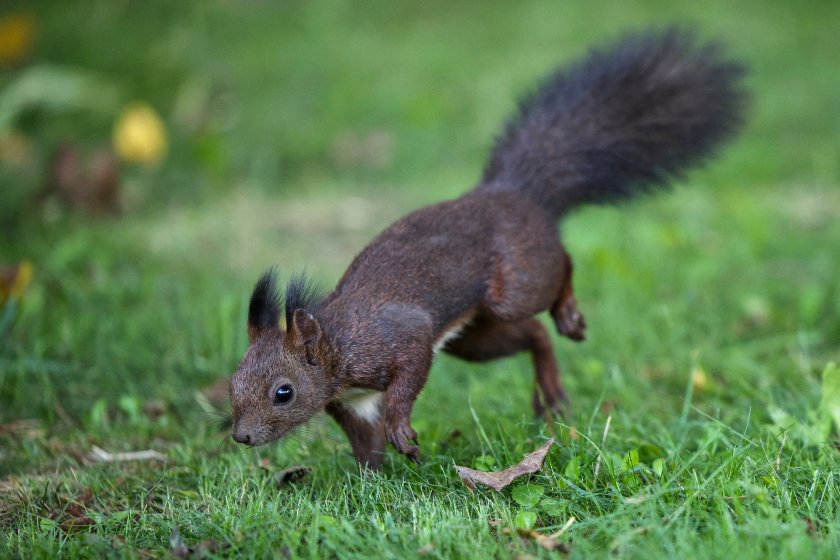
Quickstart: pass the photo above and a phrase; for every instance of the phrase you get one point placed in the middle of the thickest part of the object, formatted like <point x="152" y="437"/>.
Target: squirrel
<point x="467" y="276"/>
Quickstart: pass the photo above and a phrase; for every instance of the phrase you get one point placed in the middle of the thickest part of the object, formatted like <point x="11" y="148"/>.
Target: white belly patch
<point x="366" y="403"/>
<point x="452" y="332"/>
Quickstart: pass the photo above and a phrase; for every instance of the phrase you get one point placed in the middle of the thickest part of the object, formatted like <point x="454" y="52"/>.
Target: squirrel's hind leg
<point x="366" y="433"/>
<point x="489" y="338"/>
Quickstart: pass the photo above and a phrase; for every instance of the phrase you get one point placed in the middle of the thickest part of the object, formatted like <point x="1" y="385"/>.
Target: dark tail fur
<point x="622" y="121"/>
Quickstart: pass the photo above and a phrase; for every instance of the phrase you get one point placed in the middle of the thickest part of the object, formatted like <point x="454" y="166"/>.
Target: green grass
<point x="732" y="275"/>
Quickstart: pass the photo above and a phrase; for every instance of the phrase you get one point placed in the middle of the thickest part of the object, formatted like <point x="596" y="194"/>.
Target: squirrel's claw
<point x="400" y="435"/>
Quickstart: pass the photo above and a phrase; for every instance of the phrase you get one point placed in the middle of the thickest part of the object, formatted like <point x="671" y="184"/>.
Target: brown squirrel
<point x="467" y="276"/>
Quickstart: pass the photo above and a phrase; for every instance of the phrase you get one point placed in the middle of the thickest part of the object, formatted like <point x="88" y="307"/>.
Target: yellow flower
<point x="140" y="135"/>
<point x="14" y="281"/>
<point x="17" y="35"/>
<point x="699" y="379"/>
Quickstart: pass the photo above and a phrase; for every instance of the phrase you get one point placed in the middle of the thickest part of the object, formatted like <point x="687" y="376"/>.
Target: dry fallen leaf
<point x="291" y="475"/>
<point x="551" y="542"/>
<point x="179" y="549"/>
<point x="497" y="480"/>
<point x="548" y="542"/>
<point x="453" y="435"/>
<point x="154" y="409"/>
<point x="75" y="524"/>
<point x="25" y="429"/>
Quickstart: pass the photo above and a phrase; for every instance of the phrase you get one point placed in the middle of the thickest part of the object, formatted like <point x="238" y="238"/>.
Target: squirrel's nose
<point x="241" y="437"/>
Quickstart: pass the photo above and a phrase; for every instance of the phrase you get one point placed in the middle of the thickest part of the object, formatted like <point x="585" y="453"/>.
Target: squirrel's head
<point x="283" y="379"/>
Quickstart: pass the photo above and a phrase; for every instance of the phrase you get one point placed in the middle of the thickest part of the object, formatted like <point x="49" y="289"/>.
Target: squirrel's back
<point x="623" y="120"/>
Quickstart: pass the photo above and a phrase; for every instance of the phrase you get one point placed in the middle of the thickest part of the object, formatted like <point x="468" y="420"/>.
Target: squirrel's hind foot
<point x="570" y="321"/>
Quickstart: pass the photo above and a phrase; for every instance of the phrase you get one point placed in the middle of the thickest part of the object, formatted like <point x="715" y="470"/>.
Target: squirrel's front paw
<point x="399" y="433"/>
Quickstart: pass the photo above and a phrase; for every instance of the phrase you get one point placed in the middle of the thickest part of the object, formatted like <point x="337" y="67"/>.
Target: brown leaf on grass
<point x="204" y="549"/>
<point x="76" y="524"/>
<point x="290" y="475"/>
<point x="453" y="435"/>
<point x="74" y="510"/>
<point x="549" y="542"/>
<point x="545" y="541"/>
<point x="77" y="507"/>
<point x="498" y="480"/>
<point x="810" y="526"/>
<point x="154" y="409"/>
<point x="25" y="429"/>
<point x="84" y="496"/>
<point x="72" y="515"/>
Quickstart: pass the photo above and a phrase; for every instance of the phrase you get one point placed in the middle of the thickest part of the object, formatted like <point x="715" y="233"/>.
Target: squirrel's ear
<point x="305" y="329"/>
<point x="264" y="308"/>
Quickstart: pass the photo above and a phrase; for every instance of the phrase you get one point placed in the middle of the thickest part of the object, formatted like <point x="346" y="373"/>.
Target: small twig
<point x="63" y="415"/>
<point x="603" y="441"/>
<point x="99" y="454"/>
<point x="564" y="528"/>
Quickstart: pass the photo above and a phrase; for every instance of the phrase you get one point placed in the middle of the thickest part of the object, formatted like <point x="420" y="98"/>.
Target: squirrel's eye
<point x="283" y="394"/>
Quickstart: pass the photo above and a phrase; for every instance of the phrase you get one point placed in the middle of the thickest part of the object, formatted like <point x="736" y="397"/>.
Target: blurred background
<point x="156" y="156"/>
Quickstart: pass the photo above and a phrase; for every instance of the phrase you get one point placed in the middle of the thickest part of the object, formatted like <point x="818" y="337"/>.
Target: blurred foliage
<point x="266" y="92"/>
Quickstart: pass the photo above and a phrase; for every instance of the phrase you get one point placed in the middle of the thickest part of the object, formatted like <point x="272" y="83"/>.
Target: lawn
<point x="702" y="399"/>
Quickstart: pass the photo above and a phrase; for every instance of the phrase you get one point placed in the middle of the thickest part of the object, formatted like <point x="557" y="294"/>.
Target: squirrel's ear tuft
<point x="264" y="309"/>
<point x="301" y="293"/>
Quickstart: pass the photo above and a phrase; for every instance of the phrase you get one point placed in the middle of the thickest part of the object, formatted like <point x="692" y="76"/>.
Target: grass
<point x="713" y="310"/>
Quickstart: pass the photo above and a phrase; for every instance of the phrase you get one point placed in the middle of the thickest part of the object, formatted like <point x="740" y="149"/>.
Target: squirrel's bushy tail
<point x="624" y="120"/>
